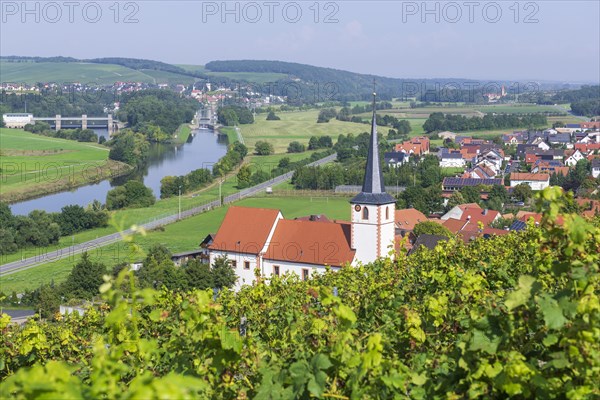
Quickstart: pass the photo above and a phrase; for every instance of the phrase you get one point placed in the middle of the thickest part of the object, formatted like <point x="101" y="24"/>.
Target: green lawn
<point x="295" y="126"/>
<point x="34" y="164"/>
<point x="181" y="236"/>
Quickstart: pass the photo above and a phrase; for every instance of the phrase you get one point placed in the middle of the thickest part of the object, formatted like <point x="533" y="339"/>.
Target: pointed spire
<point x="373" y="189"/>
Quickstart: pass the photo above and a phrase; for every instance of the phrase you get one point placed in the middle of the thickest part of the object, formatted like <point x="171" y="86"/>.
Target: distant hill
<point x="301" y="83"/>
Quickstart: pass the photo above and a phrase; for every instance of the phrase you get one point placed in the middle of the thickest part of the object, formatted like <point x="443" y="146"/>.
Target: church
<point x="258" y="238"/>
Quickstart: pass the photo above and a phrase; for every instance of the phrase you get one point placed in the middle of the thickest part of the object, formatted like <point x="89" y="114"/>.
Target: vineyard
<point x="510" y="316"/>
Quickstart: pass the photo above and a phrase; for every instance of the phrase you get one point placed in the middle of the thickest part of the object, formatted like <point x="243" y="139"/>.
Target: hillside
<point x="514" y="316"/>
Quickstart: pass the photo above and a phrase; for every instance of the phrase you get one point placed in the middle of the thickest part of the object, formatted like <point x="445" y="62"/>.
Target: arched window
<point x="387" y="213"/>
<point x="365" y="213"/>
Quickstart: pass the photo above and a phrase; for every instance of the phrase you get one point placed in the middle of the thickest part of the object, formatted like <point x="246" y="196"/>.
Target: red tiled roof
<point x="245" y="229"/>
<point x="522" y="176"/>
<point x="407" y="219"/>
<point x="309" y="242"/>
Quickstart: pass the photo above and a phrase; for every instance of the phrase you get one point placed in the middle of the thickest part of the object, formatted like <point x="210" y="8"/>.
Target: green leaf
<point x="481" y="341"/>
<point x="552" y="311"/>
<point x="522" y="294"/>
<point x="346" y="313"/>
<point x="550" y="340"/>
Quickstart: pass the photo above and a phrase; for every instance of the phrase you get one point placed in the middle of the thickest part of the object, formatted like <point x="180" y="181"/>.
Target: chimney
<point x="485" y="211"/>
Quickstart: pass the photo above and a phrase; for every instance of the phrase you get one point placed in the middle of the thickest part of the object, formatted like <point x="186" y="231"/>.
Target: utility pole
<point x="220" y="198"/>
<point x="179" y="217"/>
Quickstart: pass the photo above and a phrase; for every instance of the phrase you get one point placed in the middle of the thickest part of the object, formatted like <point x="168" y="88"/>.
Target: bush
<point x="296" y="147"/>
<point x="263" y="148"/>
<point x="132" y="194"/>
<point x="272" y="117"/>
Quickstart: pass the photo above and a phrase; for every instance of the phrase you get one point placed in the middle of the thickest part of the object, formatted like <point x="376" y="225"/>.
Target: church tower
<point x="373" y="209"/>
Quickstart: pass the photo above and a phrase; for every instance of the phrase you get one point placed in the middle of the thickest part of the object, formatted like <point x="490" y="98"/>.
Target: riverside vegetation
<point x="516" y="315"/>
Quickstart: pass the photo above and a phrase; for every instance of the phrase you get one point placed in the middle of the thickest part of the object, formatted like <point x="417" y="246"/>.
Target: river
<point x="201" y="151"/>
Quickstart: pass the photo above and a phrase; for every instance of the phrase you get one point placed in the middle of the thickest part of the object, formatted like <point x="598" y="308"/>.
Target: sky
<point x="510" y="40"/>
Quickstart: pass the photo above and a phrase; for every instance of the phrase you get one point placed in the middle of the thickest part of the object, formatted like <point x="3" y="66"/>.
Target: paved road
<point x="16" y="266"/>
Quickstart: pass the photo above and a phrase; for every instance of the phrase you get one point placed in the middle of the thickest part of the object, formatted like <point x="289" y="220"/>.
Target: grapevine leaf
<point x="553" y="315"/>
<point x="522" y="294"/>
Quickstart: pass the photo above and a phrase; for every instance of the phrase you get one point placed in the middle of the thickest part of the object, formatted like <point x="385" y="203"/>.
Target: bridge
<point x="82" y="122"/>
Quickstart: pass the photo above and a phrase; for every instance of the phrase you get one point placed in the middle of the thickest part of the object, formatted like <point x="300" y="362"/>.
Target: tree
<point x="499" y="193"/>
<point x="470" y="194"/>
<point x="158" y="270"/>
<point x="198" y="275"/>
<point x="48" y="301"/>
<point x="296" y="147"/>
<point x="455" y="200"/>
<point x="284" y="163"/>
<point x="85" y="279"/>
<point x="132" y="194"/>
<point x="263" y="148"/>
<point x="243" y="177"/>
<point x="239" y="148"/>
<point x="431" y="228"/>
<point x="522" y="192"/>
<point x="272" y="117"/>
<point x="313" y="143"/>
<point x="325" y="142"/>
<point x="224" y="275"/>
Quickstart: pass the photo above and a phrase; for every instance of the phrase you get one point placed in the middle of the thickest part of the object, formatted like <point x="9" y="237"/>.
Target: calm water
<point x="201" y="151"/>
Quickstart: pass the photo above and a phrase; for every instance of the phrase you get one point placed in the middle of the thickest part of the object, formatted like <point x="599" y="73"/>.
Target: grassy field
<point x="30" y="72"/>
<point x="33" y="164"/>
<point x="180" y="236"/>
<point x="183" y="133"/>
<point x="295" y="126"/>
<point x="255" y="77"/>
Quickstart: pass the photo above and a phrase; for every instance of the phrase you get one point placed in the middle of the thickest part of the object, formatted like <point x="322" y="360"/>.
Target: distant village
<point x="530" y="158"/>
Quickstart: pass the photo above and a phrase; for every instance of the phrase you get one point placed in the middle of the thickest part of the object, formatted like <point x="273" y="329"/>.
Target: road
<point x="51" y="256"/>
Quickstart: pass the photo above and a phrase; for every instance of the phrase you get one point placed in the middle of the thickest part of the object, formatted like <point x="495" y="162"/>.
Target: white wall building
<point x="17" y="120"/>
<point x="535" y="181"/>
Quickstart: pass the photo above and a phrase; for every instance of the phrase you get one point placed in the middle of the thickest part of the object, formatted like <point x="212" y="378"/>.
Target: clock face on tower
<point x="357" y="208"/>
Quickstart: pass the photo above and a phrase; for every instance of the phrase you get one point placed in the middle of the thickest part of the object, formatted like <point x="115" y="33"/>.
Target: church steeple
<point x="373" y="189"/>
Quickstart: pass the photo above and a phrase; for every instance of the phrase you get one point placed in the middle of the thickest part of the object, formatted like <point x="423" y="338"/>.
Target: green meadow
<point x="178" y="237"/>
<point x="34" y="165"/>
<point x="295" y="126"/>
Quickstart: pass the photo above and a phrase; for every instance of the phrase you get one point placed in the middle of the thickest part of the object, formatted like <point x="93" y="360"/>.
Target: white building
<point x="535" y="181"/>
<point x="260" y="243"/>
<point x="572" y="160"/>
<point x="17" y="120"/>
<point x="450" y="160"/>
<point x="596" y="168"/>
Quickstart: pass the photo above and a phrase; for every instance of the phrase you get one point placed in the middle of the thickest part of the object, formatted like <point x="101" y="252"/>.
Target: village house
<point x="450" y="184"/>
<point x="418" y="146"/>
<point x="535" y="181"/>
<point x="407" y="219"/>
<point x="452" y="160"/>
<point x="572" y="159"/>
<point x="596" y="168"/>
<point x="395" y="158"/>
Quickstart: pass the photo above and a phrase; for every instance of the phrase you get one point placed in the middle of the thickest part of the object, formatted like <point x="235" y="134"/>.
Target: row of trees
<point x="438" y="121"/>
<point x="173" y="185"/>
<point x="41" y="229"/>
<point x="234" y="156"/>
<point x="157" y="271"/>
<point x="129" y="147"/>
<point x="156" y="113"/>
<point x="80" y="135"/>
<point x="232" y="115"/>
